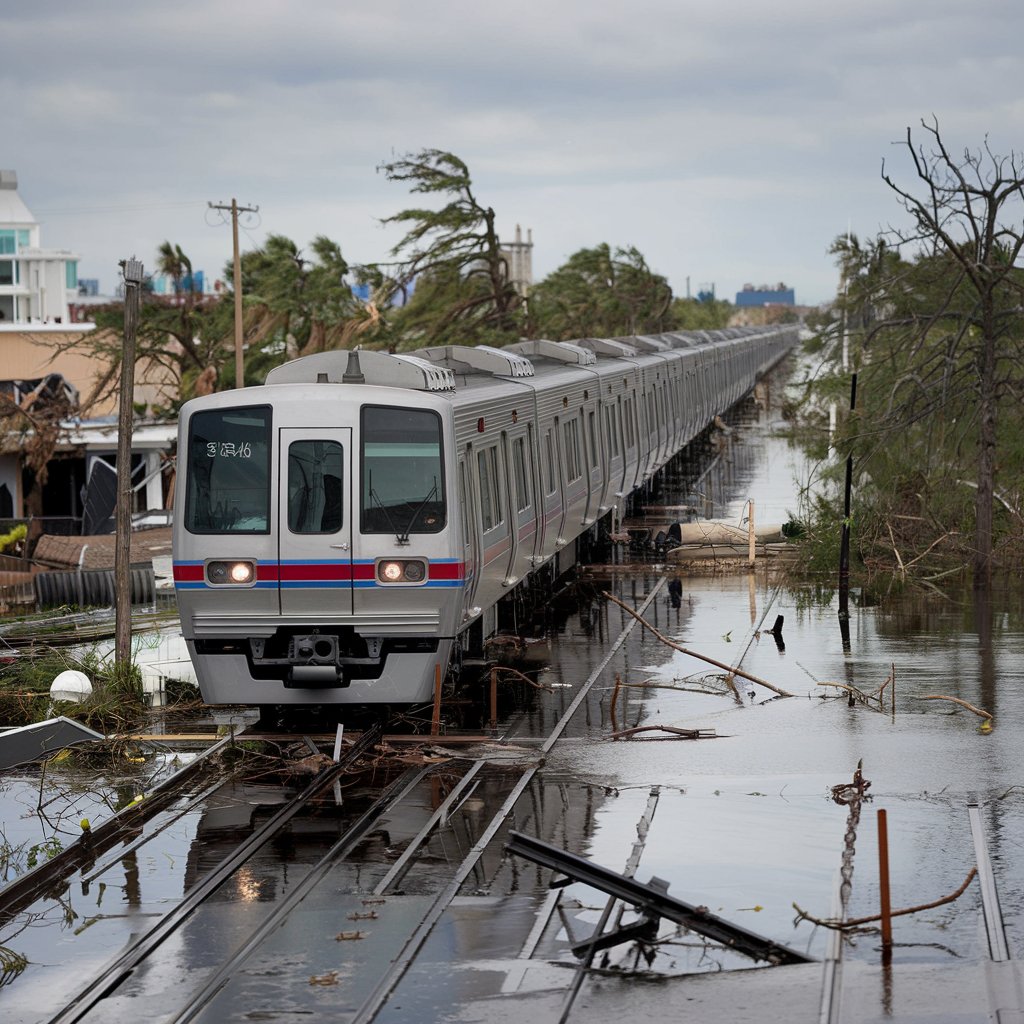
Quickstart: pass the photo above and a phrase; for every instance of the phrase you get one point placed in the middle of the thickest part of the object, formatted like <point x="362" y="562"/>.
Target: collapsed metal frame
<point x="652" y="902"/>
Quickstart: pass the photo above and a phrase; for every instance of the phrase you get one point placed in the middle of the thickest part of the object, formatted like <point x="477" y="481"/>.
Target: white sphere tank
<point x="71" y="685"/>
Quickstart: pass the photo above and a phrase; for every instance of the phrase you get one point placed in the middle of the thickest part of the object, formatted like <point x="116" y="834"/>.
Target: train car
<point x="341" y="531"/>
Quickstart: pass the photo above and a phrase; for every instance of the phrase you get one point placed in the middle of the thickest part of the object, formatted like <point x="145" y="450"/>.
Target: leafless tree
<point x="967" y="213"/>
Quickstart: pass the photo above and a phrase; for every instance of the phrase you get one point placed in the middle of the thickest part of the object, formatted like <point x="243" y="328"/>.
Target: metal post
<point x="133" y="276"/>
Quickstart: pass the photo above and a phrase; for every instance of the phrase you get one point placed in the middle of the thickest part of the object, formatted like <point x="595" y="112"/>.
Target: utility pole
<point x="133" y="278"/>
<point x="235" y="211"/>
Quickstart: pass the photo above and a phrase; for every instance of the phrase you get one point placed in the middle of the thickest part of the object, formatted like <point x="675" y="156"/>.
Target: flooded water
<point x="745" y="822"/>
<point x="742" y="821"/>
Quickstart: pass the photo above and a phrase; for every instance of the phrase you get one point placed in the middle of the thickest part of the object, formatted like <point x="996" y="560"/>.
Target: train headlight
<point x="237" y="573"/>
<point x="401" y="570"/>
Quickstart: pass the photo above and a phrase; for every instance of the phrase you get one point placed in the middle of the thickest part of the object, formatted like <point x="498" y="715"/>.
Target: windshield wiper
<point x="374" y="496"/>
<point x="404" y="538"/>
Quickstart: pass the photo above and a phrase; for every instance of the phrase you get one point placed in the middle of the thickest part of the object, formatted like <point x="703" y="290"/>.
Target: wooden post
<point x="133" y="276"/>
<point x="751" y="540"/>
<point x="435" y="723"/>
<point x="494" y="697"/>
<point x="883" y="886"/>
<point x="237" y="279"/>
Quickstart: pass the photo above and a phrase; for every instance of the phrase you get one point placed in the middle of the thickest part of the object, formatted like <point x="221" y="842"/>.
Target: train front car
<point x="316" y="538"/>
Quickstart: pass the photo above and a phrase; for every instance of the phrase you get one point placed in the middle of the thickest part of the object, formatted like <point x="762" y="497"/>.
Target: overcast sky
<point x="729" y="142"/>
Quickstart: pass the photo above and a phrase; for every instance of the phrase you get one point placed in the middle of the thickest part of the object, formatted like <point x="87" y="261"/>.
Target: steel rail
<point x="594" y="943"/>
<point x="394" y="793"/>
<point x="995" y="929"/>
<point x="401" y="865"/>
<point x="176" y="815"/>
<point x="82" y="853"/>
<point x="116" y="972"/>
<point x="401" y="964"/>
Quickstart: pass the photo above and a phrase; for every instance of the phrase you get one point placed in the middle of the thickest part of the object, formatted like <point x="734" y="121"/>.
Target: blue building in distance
<point x="765" y="295"/>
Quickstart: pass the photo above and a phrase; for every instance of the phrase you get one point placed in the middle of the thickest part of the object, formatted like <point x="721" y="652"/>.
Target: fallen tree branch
<point x="856" y="922"/>
<point x="980" y="712"/>
<point x="693" y="654"/>
<point x="686" y="734"/>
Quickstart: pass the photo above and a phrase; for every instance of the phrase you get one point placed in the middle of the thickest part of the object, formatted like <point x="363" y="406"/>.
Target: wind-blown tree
<point x="296" y="306"/>
<point x="933" y="327"/>
<point x="187" y="335"/>
<point x="463" y="292"/>
<point x="601" y="293"/>
<point x="700" y="314"/>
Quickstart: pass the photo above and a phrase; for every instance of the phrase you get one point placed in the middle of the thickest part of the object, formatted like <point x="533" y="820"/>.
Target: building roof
<point x="12" y="210"/>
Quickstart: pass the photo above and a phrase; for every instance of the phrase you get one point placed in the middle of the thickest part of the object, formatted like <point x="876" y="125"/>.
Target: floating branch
<point x="686" y="734"/>
<point x="980" y="712"/>
<point x="856" y="922"/>
<point x="693" y="654"/>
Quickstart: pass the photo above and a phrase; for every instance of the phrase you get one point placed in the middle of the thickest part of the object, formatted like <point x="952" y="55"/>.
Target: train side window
<point x="497" y="491"/>
<point x="490" y="492"/>
<point x="486" y="505"/>
<point x="549" y="462"/>
<point x="592" y="432"/>
<point x="227" y="489"/>
<point x="519" y="468"/>
<point x="463" y="500"/>
<point x="630" y="425"/>
<point x="315" y="474"/>
<point x="571" y="435"/>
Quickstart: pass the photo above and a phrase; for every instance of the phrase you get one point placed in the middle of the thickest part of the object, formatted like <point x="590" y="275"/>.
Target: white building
<point x="36" y="284"/>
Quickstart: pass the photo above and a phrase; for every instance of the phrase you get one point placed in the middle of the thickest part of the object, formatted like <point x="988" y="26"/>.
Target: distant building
<point x="520" y="261"/>
<point x="766" y="295"/>
<point x="46" y="345"/>
<point x="36" y="284"/>
<point x="196" y="282"/>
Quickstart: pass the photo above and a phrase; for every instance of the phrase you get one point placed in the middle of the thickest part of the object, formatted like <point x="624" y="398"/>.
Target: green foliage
<point x="295" y="305"/>
<point x="601" y="293"/>
<point x="16" y="535"/>
<point x="463" y="291"/>
<point x="693" y="315"/>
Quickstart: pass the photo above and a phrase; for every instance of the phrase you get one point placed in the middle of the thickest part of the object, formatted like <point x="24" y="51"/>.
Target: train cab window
<point x="227" y="485"/>
<point x="403" y="487"/>
<point x="315" y="474"/>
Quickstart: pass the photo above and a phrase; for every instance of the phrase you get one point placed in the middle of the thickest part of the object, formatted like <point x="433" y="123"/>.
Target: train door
<point x="315" y="520"/>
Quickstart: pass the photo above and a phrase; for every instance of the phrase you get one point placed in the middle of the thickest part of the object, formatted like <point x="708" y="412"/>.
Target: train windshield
<point x="402" y="479"/>
<point x="228" y="484"/>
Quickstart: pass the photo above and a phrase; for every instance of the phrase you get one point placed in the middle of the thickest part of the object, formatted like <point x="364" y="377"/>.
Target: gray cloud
<point x="728" y="142"/>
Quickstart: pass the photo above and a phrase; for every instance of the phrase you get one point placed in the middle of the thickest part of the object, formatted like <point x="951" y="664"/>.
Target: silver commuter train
<point x="340" y="529"/>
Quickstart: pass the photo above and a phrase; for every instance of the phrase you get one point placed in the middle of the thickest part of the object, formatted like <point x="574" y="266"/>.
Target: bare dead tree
<point x="967" y="214"/>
